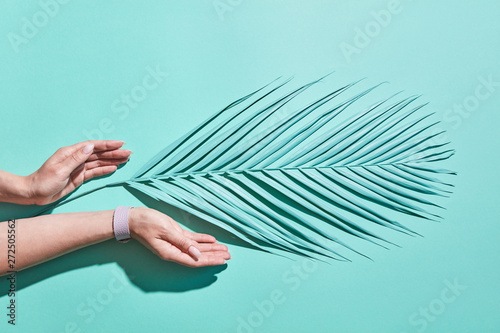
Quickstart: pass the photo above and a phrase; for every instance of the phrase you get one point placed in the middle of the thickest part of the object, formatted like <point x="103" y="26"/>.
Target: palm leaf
<point x="298" y="183"/>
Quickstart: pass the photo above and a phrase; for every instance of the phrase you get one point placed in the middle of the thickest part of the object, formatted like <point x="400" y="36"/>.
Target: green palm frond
<point x="303" y="182"/>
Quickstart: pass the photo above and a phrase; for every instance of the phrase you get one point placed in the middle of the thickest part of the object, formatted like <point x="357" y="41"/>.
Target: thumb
<point x="185" y="244"/>
<point x="78" y="157"/>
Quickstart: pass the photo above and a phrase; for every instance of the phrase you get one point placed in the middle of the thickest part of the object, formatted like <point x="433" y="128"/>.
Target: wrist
<point x="15" y="189"/>
<point x="30" y="190"/>
<point x="24" y="190"/>
<point x="33" y="193"/>
<point x="135" y="217"/>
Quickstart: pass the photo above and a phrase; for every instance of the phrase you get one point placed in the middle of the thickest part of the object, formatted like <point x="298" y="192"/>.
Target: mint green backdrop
<point x="65" y="67"/>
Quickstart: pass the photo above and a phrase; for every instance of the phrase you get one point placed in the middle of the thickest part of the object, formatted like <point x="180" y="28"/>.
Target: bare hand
<point x="164" y="237"/>
<point x="70" y="166"/>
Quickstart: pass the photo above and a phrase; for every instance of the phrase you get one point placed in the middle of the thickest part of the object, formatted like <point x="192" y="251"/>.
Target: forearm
<point x="14" y="189"/>
<point x="42" y="238"/>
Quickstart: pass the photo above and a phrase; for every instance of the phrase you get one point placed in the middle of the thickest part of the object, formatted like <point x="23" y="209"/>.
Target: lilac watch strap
<point x="120" y="223"/>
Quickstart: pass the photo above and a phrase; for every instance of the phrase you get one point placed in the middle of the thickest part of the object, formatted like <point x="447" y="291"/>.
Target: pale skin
<point x="42" y="238"/>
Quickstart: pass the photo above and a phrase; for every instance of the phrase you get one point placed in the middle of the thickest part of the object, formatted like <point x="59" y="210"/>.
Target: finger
<point x="100" y="163"/>
<point x="77" y="177"/>
<point x="222" y="254"/>
<point x="75" y="156"/>
<point x="186" y="260"/>
<point x="209" y="261"/>
<point x="200" y="238"/>
<point x="110" y="154"/>
<point x="183" y="243"/>
<point x="79" y="169"/>
<point x="63" y="153"/>
<point x="104" y="145"/>
<point x="99" y="171"/>
<point x="99" y="145"/>
<point x="209" y="247"/>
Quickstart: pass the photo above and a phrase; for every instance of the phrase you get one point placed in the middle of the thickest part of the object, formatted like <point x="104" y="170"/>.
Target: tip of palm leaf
<point x="397" y="245"/>
<point x="325" y="76"/>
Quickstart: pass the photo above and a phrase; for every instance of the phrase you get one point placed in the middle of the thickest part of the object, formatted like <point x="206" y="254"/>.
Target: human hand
<point x="70" y="166"/>
<point x="165" y="238"/>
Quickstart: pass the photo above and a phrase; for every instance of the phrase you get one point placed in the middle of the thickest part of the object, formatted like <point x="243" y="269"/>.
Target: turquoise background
<point x="61" y="84"/>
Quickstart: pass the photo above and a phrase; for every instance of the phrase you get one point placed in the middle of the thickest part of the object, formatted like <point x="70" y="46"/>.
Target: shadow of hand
<point x="143" y="268"/>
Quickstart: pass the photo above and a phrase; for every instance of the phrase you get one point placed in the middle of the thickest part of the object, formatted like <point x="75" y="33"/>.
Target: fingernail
<point x="88" y="148"/>
<point x="194" y="252"/>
